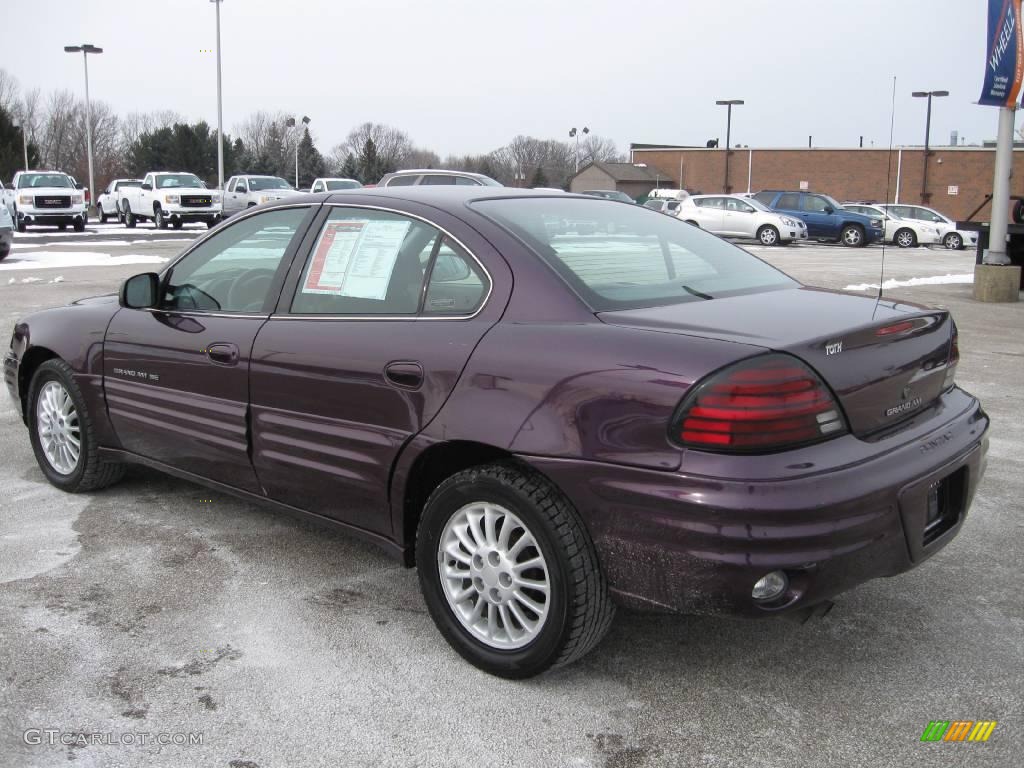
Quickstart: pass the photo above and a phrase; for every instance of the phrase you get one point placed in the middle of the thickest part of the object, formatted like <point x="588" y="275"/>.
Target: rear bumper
<point x="696" y="544"/>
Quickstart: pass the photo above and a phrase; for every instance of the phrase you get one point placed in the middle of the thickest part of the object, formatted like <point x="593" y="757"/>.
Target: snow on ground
<point x="63" y="259"/>
<point x="106" y="243"/>
<point x="892" y="283"/>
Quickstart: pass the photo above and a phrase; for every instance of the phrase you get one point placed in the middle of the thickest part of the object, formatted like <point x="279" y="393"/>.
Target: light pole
<point x="291" y="124"/>
<point x="576" y="134"/>
<point x="85" y="49"/>
<point x="24" y="138"/>
<point x="927" y="138"/>
<point x="220" y="109"/>
<point x="728" y="103"/>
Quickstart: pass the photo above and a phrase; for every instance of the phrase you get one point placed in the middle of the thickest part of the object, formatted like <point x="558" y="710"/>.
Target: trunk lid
<point x="885" y="361"/>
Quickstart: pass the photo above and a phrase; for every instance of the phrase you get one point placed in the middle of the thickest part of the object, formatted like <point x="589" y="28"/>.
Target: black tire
<point x="211" y="223"/>
<point x="852" y="236"/>
<point x="905" y="238"/>
<point x="101" y="215"/>
<point x="4" y="253"/>
<point x="579" y="609"/>
<point x="693" y="223"/>
<point x="953" y="241"/>
<point x="129" y="218"/>
<point x="19" y="224"/>
<point x="62" y="227"/>
<point x="79" y="225"/>
<point x="90" y="473"/>
<point x="159" y="220"/>
<point x="177" y="223"/>
<point x="768" y="235"/>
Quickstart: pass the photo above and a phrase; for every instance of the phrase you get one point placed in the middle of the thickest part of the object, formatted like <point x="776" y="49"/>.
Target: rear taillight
<point x="769" y="403"/>
<point x="952" y="360"/>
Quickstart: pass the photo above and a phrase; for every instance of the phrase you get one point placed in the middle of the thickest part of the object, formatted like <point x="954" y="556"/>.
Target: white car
<point x="334" y="184"/>
<point x="170" y="198"/>
<point x="243" y="192"/>
<point x="46" y="197"/>
<point x="107" y="204"/>
<point x="950" y="236"/>
<point x="6" y="229"/>
<point x="738" y="216"/>
<point x="906" y="233"/>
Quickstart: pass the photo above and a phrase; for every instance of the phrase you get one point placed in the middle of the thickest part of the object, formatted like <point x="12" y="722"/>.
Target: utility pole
<point x="220" y="109"/>
<point x="729" y="104"/>
<point x="925" y="196"/>
<point x="85" y="49"/>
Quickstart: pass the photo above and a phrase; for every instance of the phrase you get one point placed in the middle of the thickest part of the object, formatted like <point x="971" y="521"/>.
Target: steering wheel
<point x="249" y="290"/>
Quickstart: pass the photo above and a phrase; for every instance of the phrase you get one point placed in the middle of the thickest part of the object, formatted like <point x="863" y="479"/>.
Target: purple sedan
<point x="550" y="405"/>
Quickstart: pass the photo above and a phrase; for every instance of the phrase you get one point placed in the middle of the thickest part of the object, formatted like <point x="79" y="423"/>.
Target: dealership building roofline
<point x="1019" y="145"/>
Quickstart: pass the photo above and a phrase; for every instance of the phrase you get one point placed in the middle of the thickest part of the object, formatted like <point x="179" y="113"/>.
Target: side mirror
<point x="79" y="186"/>
<point x="829" y="209"/>
<point x="140" y="291"/>
<point x="147" y="187"/>
<point x="449" y="269"/>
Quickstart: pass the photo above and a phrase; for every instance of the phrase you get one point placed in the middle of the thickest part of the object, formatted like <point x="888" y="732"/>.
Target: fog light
<point x="770" y="586"/>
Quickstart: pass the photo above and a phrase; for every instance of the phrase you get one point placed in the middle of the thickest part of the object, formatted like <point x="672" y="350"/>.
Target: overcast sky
<point x="465" y="76"/>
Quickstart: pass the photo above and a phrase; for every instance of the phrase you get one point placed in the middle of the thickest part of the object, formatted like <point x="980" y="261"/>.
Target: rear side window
<point x="402" y="181"/>
<point x="438" y="180"/>
<point x="623" y="257"/>
<point x="789" y="201"/>
<point x="457" y="285"/>
<point x="765" y="198"/>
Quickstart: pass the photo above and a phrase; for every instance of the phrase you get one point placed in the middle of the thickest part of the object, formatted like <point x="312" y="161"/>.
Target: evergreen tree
<point x="369" y="164"/>
<point x="12" y="150"/>
<point x="539" y="179"/>
<point x="350" y="169"/>
<point x="311" y="162"/>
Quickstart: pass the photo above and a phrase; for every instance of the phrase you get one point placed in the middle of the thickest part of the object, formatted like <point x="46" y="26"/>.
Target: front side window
<point x="738" y="206"/>
<point x="274" y="182"/>
<point x="816" y="204"/>
<point x="336" y="184"/>
<point x="366" y="262"/>
<point x="438" y="180"/>
<point x="630" y="258"/>
<point x="466" y="181"/>
<point x="233" y="271"/>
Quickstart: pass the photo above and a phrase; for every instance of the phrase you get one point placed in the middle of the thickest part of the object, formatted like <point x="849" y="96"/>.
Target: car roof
<point x="435" y="172"/>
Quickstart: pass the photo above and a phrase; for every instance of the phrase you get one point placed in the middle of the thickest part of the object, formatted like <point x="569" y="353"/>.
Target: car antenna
<point x="888" y="181"/>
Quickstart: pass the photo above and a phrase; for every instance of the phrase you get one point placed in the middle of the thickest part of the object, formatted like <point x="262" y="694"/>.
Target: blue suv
<point x="825" y="218"/>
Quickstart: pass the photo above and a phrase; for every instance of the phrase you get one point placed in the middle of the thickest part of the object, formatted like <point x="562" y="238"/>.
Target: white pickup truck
<point x="170" y="198"/>
<point x="45" y="197"/>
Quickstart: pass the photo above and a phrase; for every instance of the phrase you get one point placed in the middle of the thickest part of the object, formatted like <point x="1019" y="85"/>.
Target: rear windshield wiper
<point x="698" y="294"/>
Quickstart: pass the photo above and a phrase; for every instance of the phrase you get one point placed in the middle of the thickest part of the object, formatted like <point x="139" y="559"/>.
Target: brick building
<point x="959" y="178"/>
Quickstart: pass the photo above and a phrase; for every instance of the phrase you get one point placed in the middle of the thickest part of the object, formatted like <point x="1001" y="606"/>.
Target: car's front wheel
<point x="61" y="431"/>
<point x="159" y="219"/>
<point x="852" y="236"/>
<point x="509" y="572"/>
<point x="768" y="235"/>
<point x="953" y="241"/>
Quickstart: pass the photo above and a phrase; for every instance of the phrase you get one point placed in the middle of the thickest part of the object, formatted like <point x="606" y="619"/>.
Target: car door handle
<point x="222" y="353"/>
<point x="404" y="374"/>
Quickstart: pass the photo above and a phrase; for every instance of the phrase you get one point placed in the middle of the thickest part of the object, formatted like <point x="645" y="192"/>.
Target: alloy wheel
<point x="954" y="242"/>
<point x="494" y="576"/>
<point x="852" y="236"/>
<point x="769" y="236"/>
<point x="905" y="238"/>
<point x="60" y="432"/>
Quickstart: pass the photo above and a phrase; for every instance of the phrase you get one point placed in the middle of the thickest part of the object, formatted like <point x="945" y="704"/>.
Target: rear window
<point x="624" y="257"/>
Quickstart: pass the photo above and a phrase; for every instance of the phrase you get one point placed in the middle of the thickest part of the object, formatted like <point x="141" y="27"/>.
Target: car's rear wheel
<point x="953" y="241"/>
<point x="211" y="223"/>
<point x="905" y="238"/>
<point x="509" y="573"/>
<point x="101" y="215"/>
<point x="852" y="236"/>
<point x="768" y="235"/>
<point x="177" y="223"/>
<point x="129" y="218"/>
<point x="62" y="227"/>
<point x="62" y="434"/>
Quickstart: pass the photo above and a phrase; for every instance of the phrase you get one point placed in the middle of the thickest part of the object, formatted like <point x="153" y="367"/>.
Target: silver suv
<point x="243" y="192"/>
<point x="441" y="178"/>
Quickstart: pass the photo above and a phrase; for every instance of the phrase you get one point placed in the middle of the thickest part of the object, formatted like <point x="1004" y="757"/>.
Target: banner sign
<point x="1004" y="67"/>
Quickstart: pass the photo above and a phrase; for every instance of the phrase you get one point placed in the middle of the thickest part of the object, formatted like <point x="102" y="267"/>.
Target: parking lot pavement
<point x="159" y="607"/>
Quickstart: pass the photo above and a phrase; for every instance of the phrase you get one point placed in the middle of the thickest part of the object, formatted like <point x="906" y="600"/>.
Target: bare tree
<point x="9" y="90"/>
<point x="598" y="149"/>
<point x="393" y="146"/>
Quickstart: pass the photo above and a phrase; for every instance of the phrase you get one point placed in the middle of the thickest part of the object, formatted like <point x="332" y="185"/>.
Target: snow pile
<point x="893" y="283"/>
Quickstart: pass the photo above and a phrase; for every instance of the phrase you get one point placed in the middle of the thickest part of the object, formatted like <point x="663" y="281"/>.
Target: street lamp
<point x="729" y="103"/>
<point x="927" y="138"/>
<point x="220" y="109"/>
<point x="575" y="133"/>
<point x="291" y="124"/>
<point x="85" y="49"/>
<point x="24" y="138"/>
